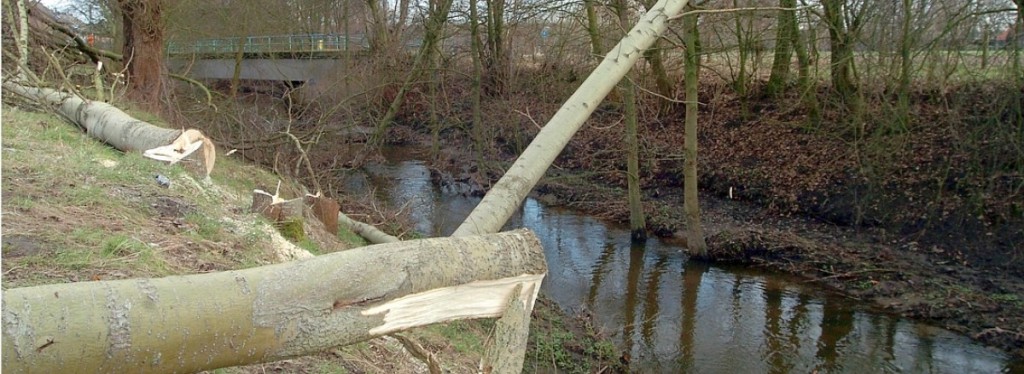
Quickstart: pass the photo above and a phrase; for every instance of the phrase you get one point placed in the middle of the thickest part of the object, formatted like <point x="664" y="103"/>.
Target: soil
<point x="787" y="199"/>
<point x="926" y="282"/>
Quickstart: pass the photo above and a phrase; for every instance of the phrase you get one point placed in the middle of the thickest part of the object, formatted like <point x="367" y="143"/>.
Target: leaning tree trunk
<point x="143" y="27"/>
<point x="207" y="321"/>
<point x="112" y="126"/>
<point x="506" y="195"/>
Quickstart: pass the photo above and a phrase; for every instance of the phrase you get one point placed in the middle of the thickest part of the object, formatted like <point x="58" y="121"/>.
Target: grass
<point x="77" y="210"/>
<point x="80" y="209"/>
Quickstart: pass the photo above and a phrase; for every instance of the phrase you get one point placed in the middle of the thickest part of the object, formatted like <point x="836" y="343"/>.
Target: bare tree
<point x="496" y="59"/>
<point x="844" y="23"/>
<point x="637" y="221"/>
<point x="785" y="35"/>
<point x="691" y="205"/>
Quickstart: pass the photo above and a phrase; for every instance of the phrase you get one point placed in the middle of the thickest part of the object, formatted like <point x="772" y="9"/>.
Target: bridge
<point x="295" y="58"/>
<point x="308" y="45"/>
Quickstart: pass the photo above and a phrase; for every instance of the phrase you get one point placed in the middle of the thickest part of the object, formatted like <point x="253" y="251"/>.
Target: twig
<point x="527" y="114"/>
<point x="93" y="53"/>
<point x="734" y="10"/>
<point x="419" y="352"/>
<point x="209" y="96"/>
<point x="850" y="273"/>
<point x="305" y="157"/>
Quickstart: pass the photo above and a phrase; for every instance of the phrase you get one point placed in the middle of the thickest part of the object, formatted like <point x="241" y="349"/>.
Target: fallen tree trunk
<point x="200" y="322"/>
<point x="112" y="126"/>
<point x="505" y="196"/>
<point x="367" y="231"/>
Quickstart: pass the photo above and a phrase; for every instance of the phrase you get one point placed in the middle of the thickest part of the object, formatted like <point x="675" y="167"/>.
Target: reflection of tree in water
<point x="798" y="323"/>
<point x="779" y="354"/>
<point x="600" y="270"/>
<point x="580" y="248"/>
<point x="693" y="274"/>
<point x="636" y="267"/>
<point x="836" y="324"/>
<point x="651" y="305"/>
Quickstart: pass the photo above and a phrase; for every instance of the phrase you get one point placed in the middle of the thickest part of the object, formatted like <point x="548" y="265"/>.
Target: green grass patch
<point x="348" y="236"/>
<point x="203" y="226"/>
<point x="310" y="246"/>
<point x="463" y="335"/>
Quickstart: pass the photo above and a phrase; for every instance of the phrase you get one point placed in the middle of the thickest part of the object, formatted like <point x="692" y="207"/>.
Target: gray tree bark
<point x="207" y="321"/>
<point x="110" y="125"/>
<point x="22" y="39"/>
<point x="691" y="204"/>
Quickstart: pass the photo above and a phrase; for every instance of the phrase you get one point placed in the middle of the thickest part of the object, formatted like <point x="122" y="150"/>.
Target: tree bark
<point x="809" y="94"/>
<point x="380" y="42"/>
<point x="661" y="80"/>
<point x="743" y="44"/>
<point x="841" y="48"/>
<point x="476" y="48"/>
<point x="637" y="221"/>
<point x="496" y="63"/>
<point x="207" y="321"/>
<point x="593" y="30"/>
<point x="22" y="40"/>
<point x="434" y="30"/>
<point x="906" y="41"/>
<point x="783" y="48"/>
<point x="112" y="126"/>
<point x="508" y="193"/>
<point x="143" y="27"/>
<point x="368" y="232"/>
<point x="691" y="204"/>
<point x="506" y="352"/>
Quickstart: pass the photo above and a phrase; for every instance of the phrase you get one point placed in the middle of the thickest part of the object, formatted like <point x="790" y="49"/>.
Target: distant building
<point x="1007" y="37"/>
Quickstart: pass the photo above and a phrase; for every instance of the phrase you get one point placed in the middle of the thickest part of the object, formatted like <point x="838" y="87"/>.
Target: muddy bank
<point x="976" y="290"/>
<point x="896" y="275"/>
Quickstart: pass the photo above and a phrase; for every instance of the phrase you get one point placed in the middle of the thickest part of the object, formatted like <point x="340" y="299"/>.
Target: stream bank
<point x="868" y="265"/>
<point x="657" y="306"/>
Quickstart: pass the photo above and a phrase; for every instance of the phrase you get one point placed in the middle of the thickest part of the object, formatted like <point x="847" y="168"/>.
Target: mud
<point x="894" y="274"/>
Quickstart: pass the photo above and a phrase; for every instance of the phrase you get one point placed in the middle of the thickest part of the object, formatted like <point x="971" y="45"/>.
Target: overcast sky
<point x="54" y="4"/>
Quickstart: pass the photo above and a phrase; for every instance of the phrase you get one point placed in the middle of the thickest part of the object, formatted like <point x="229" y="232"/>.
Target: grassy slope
<point x="77" y="210"/>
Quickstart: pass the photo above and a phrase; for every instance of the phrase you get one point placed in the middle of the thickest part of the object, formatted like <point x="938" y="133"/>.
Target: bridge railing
<point x="270" y="44"/>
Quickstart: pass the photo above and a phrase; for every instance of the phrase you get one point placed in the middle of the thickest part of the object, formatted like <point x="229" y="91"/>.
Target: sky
<point x="54" y="4"/>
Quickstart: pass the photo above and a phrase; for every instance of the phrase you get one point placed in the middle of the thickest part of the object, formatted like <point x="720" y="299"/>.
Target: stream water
<point x="670" y="315"/>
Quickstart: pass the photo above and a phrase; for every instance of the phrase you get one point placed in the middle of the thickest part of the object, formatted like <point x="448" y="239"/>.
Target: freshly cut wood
<point x="505" y="197"/>
<point x="325" y="210"/>
<point x="311" y="217"/>
<point x="115" y="127"/>
<point x="506" y="352"/>
<point x="207" y="321"/>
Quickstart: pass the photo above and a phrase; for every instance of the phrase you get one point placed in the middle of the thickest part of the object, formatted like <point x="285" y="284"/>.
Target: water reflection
<point x="673" y="316"/>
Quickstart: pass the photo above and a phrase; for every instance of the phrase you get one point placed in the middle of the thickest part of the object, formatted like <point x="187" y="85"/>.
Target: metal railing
<point x="271" y="44"/>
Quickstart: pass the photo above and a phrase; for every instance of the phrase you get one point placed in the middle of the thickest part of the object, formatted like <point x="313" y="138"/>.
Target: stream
<point x="670" y="315"/>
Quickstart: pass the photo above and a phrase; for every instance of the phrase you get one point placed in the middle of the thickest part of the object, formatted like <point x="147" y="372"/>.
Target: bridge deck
<point x="270" y="45"/>
<point x="276" y="45"/>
